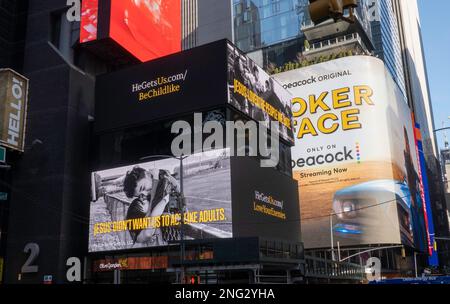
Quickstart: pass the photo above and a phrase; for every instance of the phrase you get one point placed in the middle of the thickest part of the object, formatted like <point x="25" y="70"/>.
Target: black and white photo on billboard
<point x="120" y="196"/>
<point x="253" y="77"/>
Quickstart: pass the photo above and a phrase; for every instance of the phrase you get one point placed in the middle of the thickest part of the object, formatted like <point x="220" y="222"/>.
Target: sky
<point x="436" y="39"/>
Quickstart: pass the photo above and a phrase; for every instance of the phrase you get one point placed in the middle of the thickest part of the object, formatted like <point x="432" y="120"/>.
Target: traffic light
<point x="322" y="10"/>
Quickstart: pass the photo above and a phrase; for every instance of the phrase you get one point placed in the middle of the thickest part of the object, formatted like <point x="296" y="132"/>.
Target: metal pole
<point x="339" y="251"/>
<point x="415" y="263"/>
<point x="441" y="129"/>
<point x="332" y="239"/>
<point x="363" y="273"/>
<point x="442" y="238"/>
<point x="85" y="270"/>
<point x="181" y="207"/>
<point x="182" y="218"/>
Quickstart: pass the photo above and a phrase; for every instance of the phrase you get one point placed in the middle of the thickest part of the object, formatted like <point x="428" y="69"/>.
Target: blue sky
<point x="436" y="40"/>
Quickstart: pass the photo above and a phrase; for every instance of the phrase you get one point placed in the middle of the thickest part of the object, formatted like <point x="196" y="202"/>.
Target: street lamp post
<point x="415" y="263"/>
<point x="332" y="237"/>
<point x="441" y="129"/>
<point x="183" y="211"/>
<point x="181" y="206"/>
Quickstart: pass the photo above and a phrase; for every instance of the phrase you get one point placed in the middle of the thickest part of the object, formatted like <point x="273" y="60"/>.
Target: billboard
<point x="255" y="93"/>
<point x="146" y="29"/>
<point x="89" y="21"/>
<point x="13" y="109"/>
<point x="131" y="263"/>
<point x="139" y="206"/>
<point x="265" y="202"/>
<point x="433" y="259"/>
<point x="162" y="88"/>
<point x="179" y="85"/>
<point x="354" y="157"/>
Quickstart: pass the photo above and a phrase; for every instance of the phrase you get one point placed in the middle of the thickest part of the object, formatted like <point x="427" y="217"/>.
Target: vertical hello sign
<point x="13" y="109"/>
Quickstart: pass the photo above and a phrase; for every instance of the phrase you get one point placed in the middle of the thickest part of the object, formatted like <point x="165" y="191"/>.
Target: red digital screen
<point x="148" y="29"/>
<point x="89" y="21"/>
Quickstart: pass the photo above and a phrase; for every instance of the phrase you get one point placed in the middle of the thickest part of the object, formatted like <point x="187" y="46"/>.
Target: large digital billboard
<point x="354" y="157"/>
<point x="147" y="29"/>
<point x="179" y="85"/>
<point x="140" y="206"/>
<point x="265" y="202"/>
<point x="161" y="88"/>
<point x="255" y="93"/>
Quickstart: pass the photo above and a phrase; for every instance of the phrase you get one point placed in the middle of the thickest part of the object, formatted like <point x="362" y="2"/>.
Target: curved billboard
<point x="355" y="157"/>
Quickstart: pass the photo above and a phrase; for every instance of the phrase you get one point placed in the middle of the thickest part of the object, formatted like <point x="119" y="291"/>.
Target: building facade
<point x="445" y="163"/>
<point x="49" y="213"/>
<point x="259" y="24"/>
<point x="281" y="32"/>
<point x="45" y="210"/>
<point x="419" y="100"/>
<point x="12" y="33"/>
<point x="205" y="21"/>
<point x="45" y="214"/>
<point x="12" y="40"/>
<point x="386" y="37"/>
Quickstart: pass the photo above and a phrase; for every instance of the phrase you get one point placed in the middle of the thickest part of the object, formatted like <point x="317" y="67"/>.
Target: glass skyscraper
<point x="386" y="37"/>
<point x="262" y="23"/>
<point x="272" y="30"/>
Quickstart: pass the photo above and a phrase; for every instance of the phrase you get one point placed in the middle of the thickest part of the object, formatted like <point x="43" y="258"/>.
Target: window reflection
<point x="261" y="23"/>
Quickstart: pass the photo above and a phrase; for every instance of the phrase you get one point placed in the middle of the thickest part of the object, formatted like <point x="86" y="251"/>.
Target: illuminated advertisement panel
<point x="433" y="259"/>
<point x="139" y="206"/>
<point x="147" y="29"/>
<point x="131" y="263"/>
<point x="13" y="109"/>
<point x="89" y="21"/>
<point x="252" y="91"/>
<point x="355" y="157"/>
<point x="163" y="87"/>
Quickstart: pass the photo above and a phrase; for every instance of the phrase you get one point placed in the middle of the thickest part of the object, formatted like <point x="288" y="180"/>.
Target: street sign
<point x="2" y="155"/>
<point x="3" y="196"/>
